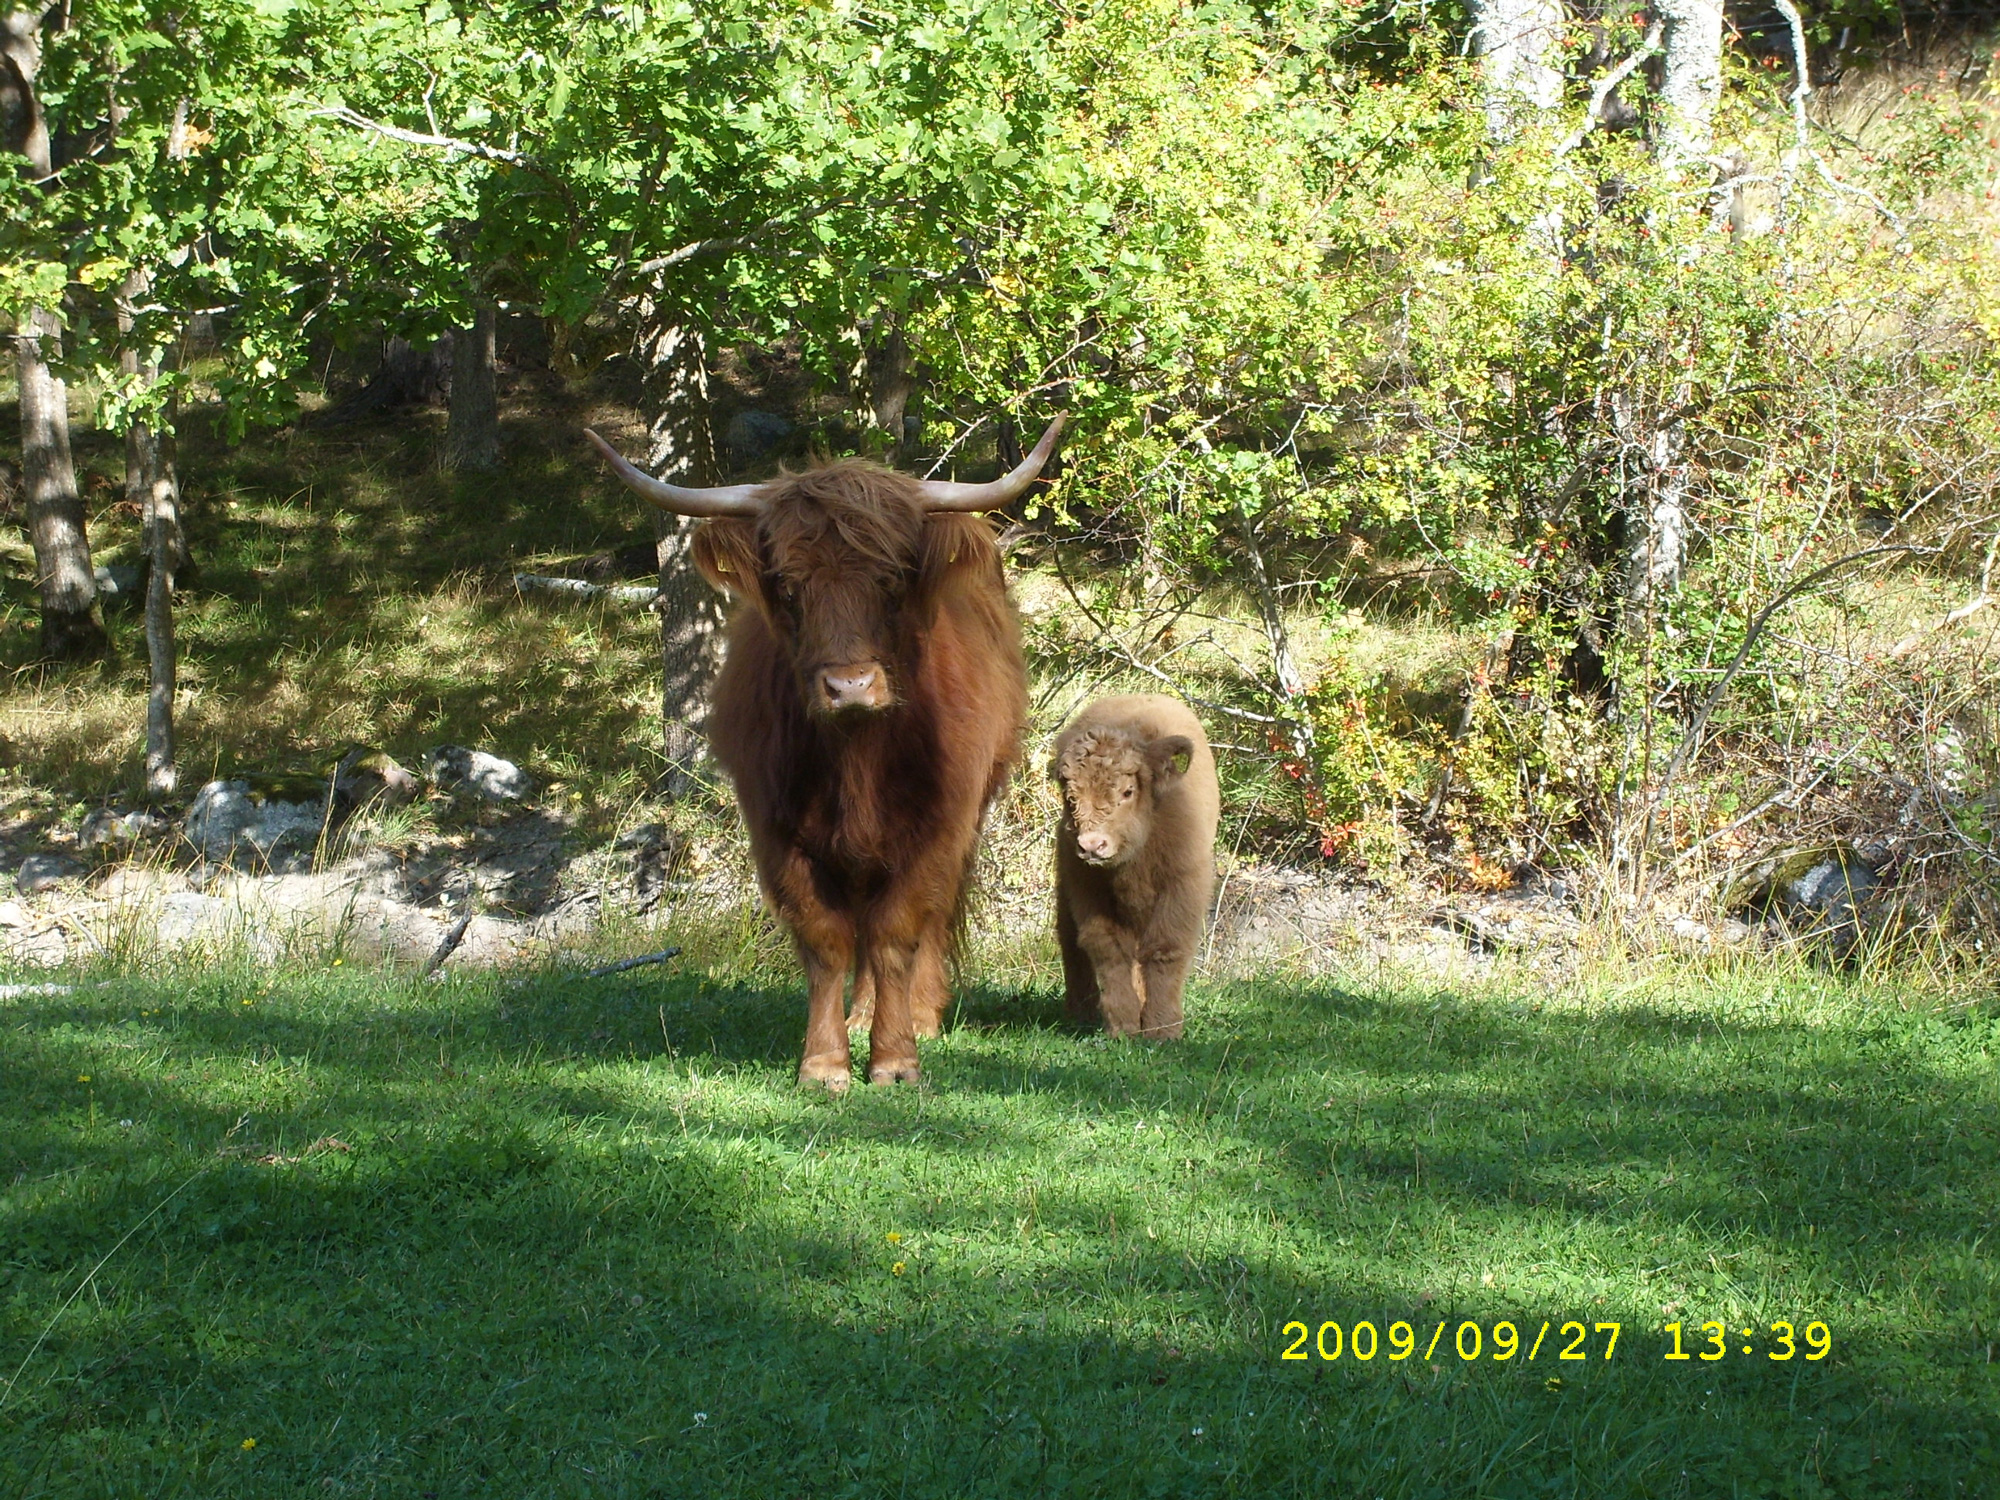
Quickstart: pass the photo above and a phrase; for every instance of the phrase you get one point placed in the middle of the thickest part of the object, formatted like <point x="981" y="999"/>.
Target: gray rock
<point x="116" y="830"/>
<point x="754" y="436"/>
<point x="1822" y="892"/>
<point x="43" y="872"/>
<point x="120" y="582"/>
<point x="231" y="815"/>
<point x="365" y="775"/>
<point x="463" y="772"/>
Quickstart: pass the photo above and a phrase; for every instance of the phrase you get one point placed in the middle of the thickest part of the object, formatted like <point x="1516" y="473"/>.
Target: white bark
<point x="1691" y="82"/>
<point x="1517" y="42"/>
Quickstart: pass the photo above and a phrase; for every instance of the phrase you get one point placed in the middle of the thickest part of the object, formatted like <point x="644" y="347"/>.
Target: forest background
<point x="1539" y="440"/>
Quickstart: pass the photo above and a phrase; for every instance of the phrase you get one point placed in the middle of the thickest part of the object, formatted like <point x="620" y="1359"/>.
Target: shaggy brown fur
<point x="1135" y="860"/>
<point x="870" y="706"/>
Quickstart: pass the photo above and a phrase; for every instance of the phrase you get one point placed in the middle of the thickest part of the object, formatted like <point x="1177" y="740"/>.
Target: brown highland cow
<point x="1135" y="860"/>
<point x="870" y="705"/>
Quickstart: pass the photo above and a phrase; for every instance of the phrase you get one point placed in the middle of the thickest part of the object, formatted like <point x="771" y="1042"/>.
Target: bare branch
<point x="1602" y="90"/>
<point x="445" y="143"/>
<point x="1684" y="752"/>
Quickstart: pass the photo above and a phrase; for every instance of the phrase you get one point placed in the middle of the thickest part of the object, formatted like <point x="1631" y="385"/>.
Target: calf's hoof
<point x="829" y="1072"/>
<point x="893" y="1070"/>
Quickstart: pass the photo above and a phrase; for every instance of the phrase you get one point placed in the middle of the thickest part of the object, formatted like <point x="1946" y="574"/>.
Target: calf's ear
<point x="1169" y="756"/>
<point x="726" y="553"/>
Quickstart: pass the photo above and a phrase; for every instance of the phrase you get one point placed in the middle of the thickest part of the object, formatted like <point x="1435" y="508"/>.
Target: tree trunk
<point x="889" y="382"/>
<point x="472" y="432"/>
<point x="1691" y="81"/>
<point x="71" y="627"/>
<point x="1521" y="69"/>
<point x="681" y="448"/>
<point x="149" y="469"/>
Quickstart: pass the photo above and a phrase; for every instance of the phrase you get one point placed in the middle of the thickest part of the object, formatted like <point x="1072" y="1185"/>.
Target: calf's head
<point x="1112" y="780"/>
<point x="843" y="562"/>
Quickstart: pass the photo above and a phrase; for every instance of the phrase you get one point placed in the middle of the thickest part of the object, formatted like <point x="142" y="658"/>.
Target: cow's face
<point x="1111" y="780"/>
<point x="843" y="577"/>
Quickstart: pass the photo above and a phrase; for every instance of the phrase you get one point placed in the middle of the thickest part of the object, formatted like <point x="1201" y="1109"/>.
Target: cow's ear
<point x="1169" y="756"/>
<point x="726" y="553"/>
<point x="952" y="544"/>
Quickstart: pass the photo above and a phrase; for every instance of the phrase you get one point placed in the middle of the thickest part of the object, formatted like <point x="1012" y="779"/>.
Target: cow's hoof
<point x="862" y="1019"/>
<point x="830" y="1073"/>
<point x="893" y="1072"/>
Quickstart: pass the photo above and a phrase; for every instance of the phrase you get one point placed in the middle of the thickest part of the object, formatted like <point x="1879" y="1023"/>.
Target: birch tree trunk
<point x="1516" y="41"/>
<point x="1691" y="82"/>
<point x="150" y="484"/>
<point x="71" y="627"/>
<point x="472" y="430"/>
<point x="1656" y="499"/>
<point x="681" y="448"/>
<point x="149" y="472"/>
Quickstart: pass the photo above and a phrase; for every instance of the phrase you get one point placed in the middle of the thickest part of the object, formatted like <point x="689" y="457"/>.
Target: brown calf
<point x="1135" y="860"/>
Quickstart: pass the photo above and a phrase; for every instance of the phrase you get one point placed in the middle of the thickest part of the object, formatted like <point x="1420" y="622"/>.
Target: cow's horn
<point x="943" y="494"/>
<point x="718" y="500"/>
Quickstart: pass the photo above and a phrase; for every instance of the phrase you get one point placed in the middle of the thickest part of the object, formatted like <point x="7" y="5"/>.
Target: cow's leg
<point x="1109" y="946"/>
<point x="930" y="981"/>
<point x="825" y="940"/>
<point x="895" y="940"/>
<point x="861" y="1008"/>
<point x="1079" y="974"/>
<point x="892" y="1038"/>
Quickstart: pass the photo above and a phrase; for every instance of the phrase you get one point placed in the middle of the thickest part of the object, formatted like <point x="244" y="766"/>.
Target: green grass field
<point x="318" y="1232"/>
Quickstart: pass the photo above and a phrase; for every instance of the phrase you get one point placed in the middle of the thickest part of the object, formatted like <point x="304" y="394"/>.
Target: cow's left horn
<point x="943" y="494"/>
<point x="717" y="500"/>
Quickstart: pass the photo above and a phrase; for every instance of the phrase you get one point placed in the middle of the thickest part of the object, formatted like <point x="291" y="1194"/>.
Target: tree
<point x="71" y="626"/>
<point x="472" y="430"/>
<point x="1517" y="42"/>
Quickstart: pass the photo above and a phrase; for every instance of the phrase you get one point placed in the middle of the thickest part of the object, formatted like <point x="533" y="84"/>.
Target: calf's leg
<point x="1110" y="948"/>
<point x="1165" y="977"/>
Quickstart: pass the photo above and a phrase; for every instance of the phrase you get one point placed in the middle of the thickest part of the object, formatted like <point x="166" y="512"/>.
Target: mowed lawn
<point x="318" y="1232"/>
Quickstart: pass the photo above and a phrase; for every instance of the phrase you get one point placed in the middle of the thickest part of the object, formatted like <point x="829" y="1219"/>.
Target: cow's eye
<point x="1125" y="795"/>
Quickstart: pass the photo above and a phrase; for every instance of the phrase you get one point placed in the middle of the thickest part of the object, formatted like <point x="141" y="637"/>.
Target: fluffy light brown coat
<point x="1135" y="860"/>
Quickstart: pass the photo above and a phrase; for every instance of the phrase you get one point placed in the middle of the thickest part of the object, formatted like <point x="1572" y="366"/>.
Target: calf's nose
<point x="851" y="687"/>
<point x="1094" y="845"/>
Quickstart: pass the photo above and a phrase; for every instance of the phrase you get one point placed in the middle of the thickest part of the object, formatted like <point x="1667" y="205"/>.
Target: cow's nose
<point x="1094" y="845"/>
<point x="851" y="687"/>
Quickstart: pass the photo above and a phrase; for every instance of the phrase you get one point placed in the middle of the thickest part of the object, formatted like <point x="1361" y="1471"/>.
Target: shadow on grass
<point x="585" y="1238"/>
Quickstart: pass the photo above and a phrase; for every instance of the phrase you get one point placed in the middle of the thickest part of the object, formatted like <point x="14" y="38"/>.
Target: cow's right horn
<point x="943" y="494"/>
<point x="717" y="500"/>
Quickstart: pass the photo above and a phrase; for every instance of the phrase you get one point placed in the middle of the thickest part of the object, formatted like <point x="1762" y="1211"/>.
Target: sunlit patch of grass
<point x="370" y="605"/>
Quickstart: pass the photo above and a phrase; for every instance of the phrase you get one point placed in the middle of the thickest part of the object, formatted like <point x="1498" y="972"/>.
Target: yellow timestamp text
<point x="1469" y="1341"/>
<point x="1572" y="1339"/>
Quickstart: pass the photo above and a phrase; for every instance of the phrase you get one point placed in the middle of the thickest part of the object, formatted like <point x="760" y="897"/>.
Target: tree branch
<point x="1602" y="90"/>
<point x="446" y="143"/>
<point x="1687" y="747"/>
